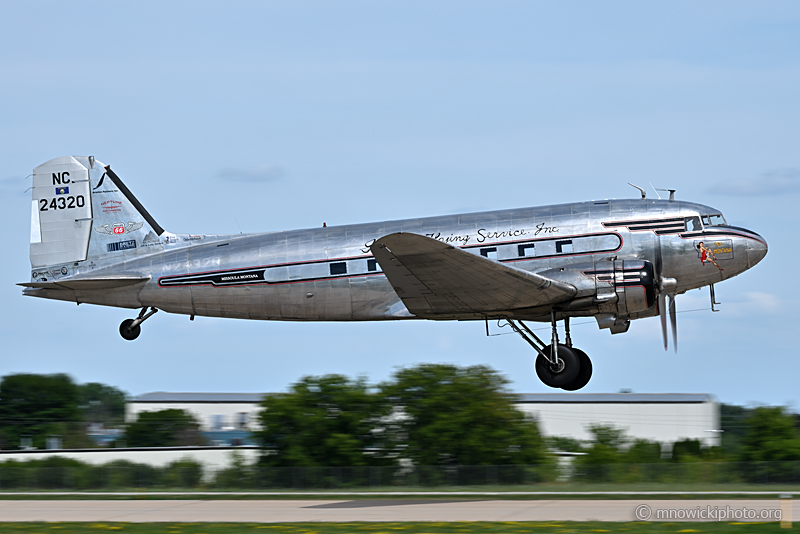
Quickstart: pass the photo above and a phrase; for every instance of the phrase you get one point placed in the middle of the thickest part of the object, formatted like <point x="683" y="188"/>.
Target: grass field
<point x="386" y="528"/>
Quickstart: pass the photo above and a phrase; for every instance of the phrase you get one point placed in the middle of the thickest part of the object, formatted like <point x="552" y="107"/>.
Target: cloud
<point x="15" y="185"/>
<point x="259" y="174"/>
<point x="758" y="303"/>
<point x="763" y="302"/>
<point x="777" y="182"/>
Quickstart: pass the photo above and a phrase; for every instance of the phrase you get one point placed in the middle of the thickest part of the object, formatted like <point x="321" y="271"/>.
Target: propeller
<point x="662" y="310"/>
<point x="673" y="321"/>
<point x="667" y="287"/>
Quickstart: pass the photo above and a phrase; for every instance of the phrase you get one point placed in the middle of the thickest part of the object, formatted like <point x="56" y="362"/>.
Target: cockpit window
<point x="714" y="220"/>
<point x="693" y="224"/>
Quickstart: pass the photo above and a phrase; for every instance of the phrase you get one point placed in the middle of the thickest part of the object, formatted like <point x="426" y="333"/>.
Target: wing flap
<point x="433" y="278"/>
<point x="89" y="283"/>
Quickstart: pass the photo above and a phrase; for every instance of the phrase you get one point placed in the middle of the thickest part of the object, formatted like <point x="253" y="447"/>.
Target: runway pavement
<point x="280" y="511"/>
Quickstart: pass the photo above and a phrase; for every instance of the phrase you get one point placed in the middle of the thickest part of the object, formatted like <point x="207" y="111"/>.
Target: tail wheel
<point x="561" y="374"/>
<point x="584" y="373"/>
<point x="127" y="332"/>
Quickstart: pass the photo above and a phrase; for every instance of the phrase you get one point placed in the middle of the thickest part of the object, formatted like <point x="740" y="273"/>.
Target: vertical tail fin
<point x="61" y="212"/>
<point x="82" y="212"/>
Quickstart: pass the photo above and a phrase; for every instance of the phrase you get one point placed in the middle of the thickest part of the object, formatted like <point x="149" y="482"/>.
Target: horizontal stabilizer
<point x="89" y="282"/>
<point x="434" y="279"/>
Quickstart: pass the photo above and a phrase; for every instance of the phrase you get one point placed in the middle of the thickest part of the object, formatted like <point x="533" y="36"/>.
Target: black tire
<point x="557" y="378"/>
<point x="584" y="373"/>
<point x="127" y="332"/>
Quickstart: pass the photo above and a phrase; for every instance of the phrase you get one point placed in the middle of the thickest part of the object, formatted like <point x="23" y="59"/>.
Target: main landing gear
<point x="130" y="328"/>
<point x="557" y="365"/>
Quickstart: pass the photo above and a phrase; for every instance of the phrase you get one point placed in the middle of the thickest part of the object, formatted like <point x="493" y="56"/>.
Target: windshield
<point x="693" y="224"/>
<point x="714" y="220"/>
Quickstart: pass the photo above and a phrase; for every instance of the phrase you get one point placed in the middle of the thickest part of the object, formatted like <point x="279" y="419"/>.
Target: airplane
<point x="93" y="242"/>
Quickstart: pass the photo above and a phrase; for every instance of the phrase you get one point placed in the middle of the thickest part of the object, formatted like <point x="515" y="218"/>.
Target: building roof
<point x="614" y="398"/>
<point x="225" y="398"/>
<point x="524" y="398"/>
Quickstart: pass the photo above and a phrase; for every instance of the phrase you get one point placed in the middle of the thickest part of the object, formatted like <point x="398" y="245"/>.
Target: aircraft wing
<point x="89" y="282"/>
<point x="433" y="279"/>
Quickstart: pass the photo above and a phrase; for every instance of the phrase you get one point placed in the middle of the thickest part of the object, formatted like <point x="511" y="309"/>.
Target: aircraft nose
<point x="756" y="249"/>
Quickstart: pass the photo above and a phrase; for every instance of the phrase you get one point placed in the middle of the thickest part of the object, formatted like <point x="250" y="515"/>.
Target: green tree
<point x="239" y="474"/>
<point x="732" y="423"/>
<point x="165" y="428"/>
<point x="641" y="462"/>
<point x="687" y="450"/>
<point x="446" y="415"/>
<point x="643" y="451"/>
<point x="604" y="451"/>
<point x="184" y="473"/>
<point x="770" y="437"/>
<point x="563" y="444"/>
<point x="37" y="406"/>
<point x="605" y="448"/>
<point x="322" y="421"/>
<point x="101" y="404"/>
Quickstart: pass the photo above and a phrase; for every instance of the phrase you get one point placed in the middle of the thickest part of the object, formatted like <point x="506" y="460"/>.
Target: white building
<point x="661" y="417"/>
<point x="214" y="411"/>
<point x="227" y="418"/>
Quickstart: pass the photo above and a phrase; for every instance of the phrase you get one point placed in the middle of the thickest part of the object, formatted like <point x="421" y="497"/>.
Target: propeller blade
<point x="673" y="321"/>
<point x="662" y="309"/>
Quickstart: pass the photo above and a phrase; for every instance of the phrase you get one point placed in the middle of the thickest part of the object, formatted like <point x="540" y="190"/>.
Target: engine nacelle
<point x="633" y="283"/>
<point x="610" y="290"/>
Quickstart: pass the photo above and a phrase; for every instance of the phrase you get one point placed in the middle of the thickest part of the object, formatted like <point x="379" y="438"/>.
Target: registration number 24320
<point x="61" y="203"/>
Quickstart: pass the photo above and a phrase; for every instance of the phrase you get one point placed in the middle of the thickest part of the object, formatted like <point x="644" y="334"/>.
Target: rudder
<point x="61" y="212"/>
<point x="84" y="217"/>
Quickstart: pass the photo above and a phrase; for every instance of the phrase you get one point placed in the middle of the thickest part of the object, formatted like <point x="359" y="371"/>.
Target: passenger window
<point x="372" y="266"/>
<point x="693" y="224"/>
<point x="564" y="247"/>
<point x="526" y="250"/>
<point x="490" y="253"/>
<point x="339" y="268"/>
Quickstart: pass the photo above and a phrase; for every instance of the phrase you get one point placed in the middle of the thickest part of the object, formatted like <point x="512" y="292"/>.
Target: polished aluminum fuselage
<point x="297" y="281"/>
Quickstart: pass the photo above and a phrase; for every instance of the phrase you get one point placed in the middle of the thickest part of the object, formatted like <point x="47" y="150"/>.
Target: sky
<point x="264" y="116"/>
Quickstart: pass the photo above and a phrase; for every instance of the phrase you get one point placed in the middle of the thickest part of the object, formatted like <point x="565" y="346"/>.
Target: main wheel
<point x="557" y="376"/>
<point x="584" y="373"/>
<point x="127" y="332"/>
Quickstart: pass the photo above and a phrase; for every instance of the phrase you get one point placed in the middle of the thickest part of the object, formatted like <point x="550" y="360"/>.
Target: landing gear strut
<point x="130" y="328"/>
<point x="557" y="365"/>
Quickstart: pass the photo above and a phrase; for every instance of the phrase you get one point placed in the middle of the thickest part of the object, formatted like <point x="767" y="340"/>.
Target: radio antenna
<point x="671" y="194"/>
<point x="644" y="194"/>
<point x="654" y="189"/>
